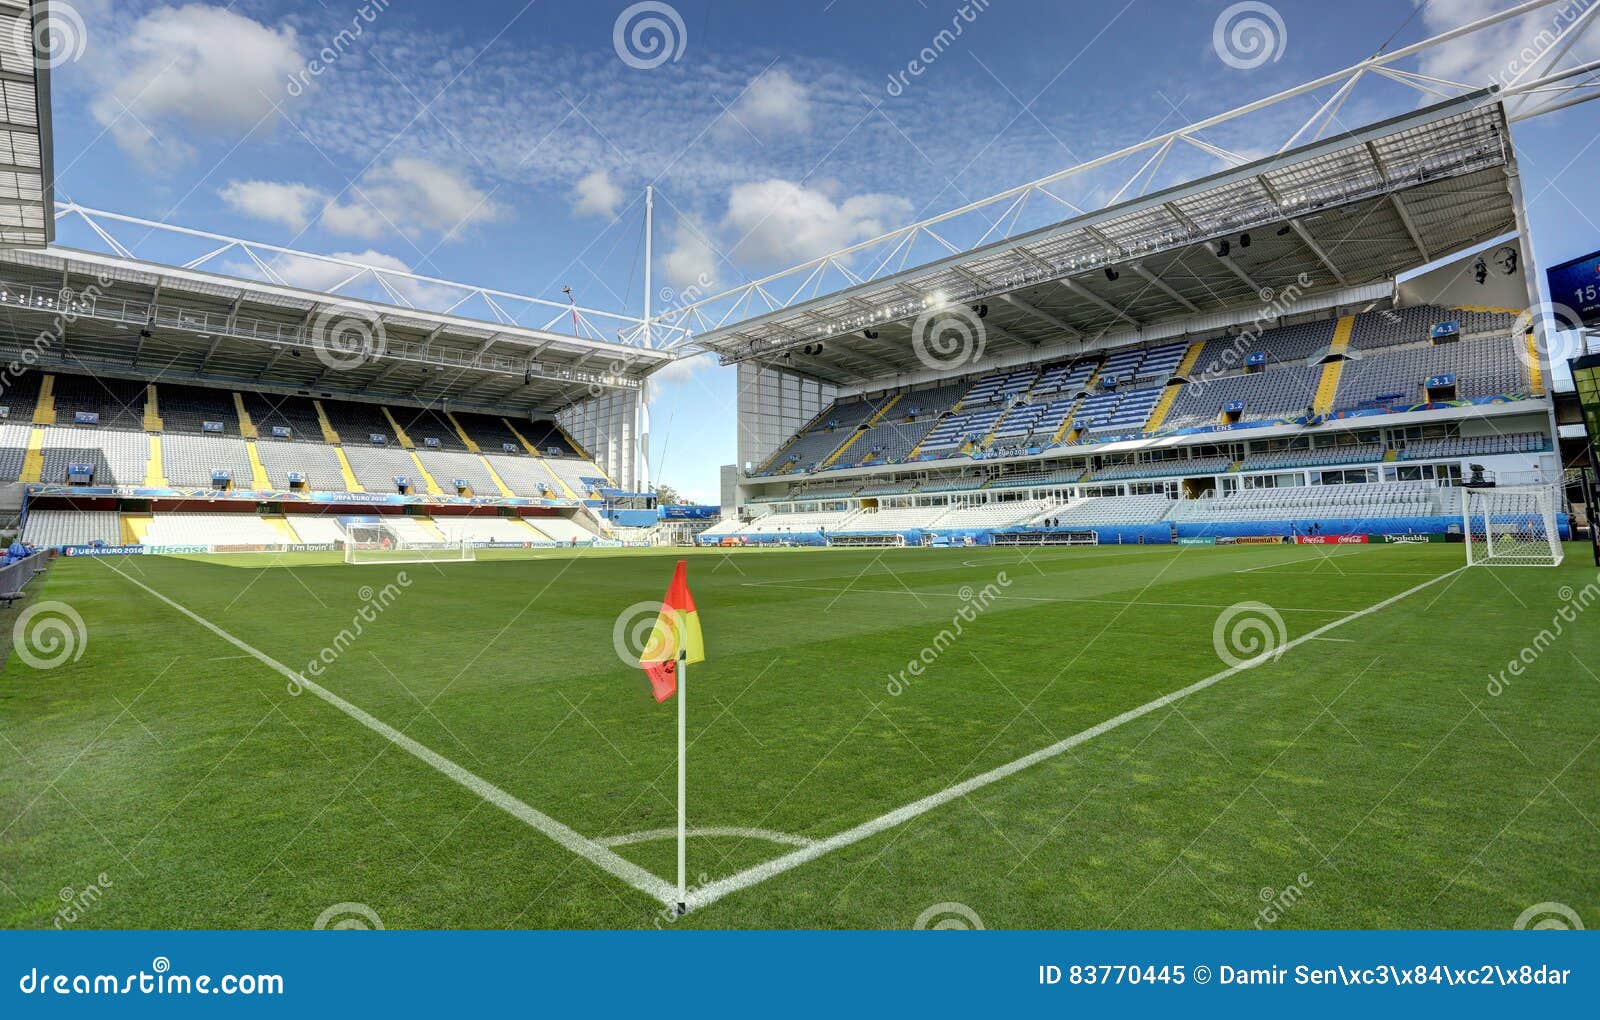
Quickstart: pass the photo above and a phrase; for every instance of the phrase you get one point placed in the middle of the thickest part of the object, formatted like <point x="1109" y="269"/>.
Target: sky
<point x="507" y="143"/>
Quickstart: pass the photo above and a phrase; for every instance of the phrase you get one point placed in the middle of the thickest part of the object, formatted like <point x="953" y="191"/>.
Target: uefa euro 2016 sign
<point x="1576" y="284"/>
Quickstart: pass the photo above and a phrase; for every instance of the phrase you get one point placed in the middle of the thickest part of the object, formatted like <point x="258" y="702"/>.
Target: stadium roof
<point x="26" y="167"/>
<point x="1350" y="210"/>
<point x="104" y="315"/>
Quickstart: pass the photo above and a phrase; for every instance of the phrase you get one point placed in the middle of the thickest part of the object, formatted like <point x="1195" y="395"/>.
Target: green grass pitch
<point x="1380" y="774"/>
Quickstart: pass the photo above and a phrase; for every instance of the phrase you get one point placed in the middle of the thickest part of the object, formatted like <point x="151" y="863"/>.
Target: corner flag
<point x="674" y="643"/>
<point x="676" y="638"/>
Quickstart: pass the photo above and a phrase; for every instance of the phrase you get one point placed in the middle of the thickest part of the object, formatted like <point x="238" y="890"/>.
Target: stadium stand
<point x="190" y="460"/>
<point x="212" y="529"/>
<point x="1309" y="502"/>
<point x="1164" y="469"/>
<point x="1110" y="510"/>
<point x="297" y="414"/>
<point x="48" y="528"/>
<point x="317" y="462"/>
<point x="118" y="457"/>
<point x="1483" y="368"/>
<point x="1474" y="446"/>
<point x="1274" y="393"/>
<point x="317" y="528"/>
<point x="1365" y="453"/>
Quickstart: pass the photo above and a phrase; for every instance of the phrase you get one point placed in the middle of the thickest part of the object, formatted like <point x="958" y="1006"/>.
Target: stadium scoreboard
<point x="1576" y="284"/>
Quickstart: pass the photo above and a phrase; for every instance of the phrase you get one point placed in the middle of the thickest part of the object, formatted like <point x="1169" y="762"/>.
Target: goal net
<point x="380" y="543"/>
<point x="1513" y="526"/>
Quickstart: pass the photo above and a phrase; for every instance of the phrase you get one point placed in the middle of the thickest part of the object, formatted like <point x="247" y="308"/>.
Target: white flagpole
<point x="683" y="775"/>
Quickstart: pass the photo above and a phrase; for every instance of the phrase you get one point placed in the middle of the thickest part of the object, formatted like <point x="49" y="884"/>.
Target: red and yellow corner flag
<point x="677" y="628"/>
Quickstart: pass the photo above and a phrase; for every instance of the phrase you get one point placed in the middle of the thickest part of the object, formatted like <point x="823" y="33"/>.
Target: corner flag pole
<point x="683" y="775"/>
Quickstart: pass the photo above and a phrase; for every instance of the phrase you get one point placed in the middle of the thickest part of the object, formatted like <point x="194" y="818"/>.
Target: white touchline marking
<point x="568" y="838"/>
<point x="730" y="831"/>
<point x="710" y="893"/>
<point x="1027" y="598"/>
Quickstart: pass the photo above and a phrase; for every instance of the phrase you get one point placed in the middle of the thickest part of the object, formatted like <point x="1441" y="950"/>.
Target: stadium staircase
<point x="533" y="452"/>
<point x="33" y="457"/>
<point x="1535" y="373"/>
<point x="134" y="527"/>
<point x="1328" y="386"/>
<point x="427" y="479"/>
<point x="348" y="473"/>
<point x="44" y="408"/>
<point x="467" y="441"/>
<point x="766" y="465"/>
<point x="328" y="435"/>
<point x="155" y="476"/>
<point x="152" y="410"/>
<point x="857" y="434"/>
<point x="1170" y="395"/>
<point x="259" y="479"/>
<point x="400" y="434"/>
<point x="494" y="476"/>
<point x="281" y="525"/>
<point x="247" y="427"/>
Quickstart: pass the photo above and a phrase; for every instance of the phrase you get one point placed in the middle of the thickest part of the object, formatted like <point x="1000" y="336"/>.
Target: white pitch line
<point x="710" y="893"/>
<point x="729" y="831"/>
<point x="567" y="838"/>
<point x="1023" y="598"/>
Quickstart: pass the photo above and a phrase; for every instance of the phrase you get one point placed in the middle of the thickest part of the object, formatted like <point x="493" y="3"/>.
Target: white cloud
<point x="775" y="103"/>
<point x="293" y="205"/>
<point x="691" y="259"/>
<point x="411" y="194"/>
<point x="779" y="221"/>
<point x="1504" y="51"/>
<point x="408" y="196"/>
<point x="194" y="67"/>
<point x="596" y="194"/>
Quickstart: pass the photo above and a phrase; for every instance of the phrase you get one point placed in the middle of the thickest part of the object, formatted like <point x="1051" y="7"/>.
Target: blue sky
<point x="508" y="144"/>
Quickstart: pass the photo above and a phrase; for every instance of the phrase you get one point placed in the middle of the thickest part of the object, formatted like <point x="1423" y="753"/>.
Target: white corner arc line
<point x="713" y="891"/>
<point x="729" y="831"/>
<point x="569" y="839"/>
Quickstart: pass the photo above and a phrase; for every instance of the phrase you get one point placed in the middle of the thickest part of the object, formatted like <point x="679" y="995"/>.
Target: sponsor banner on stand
<point x="177" y="550"/>
<point x="1199" y="540"/>
<point x="103" y="550"/>
<point x="1331" y="539"/>
<point x="1409" y="539"/>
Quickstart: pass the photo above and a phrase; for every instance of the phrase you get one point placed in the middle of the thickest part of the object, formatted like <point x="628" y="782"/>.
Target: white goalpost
<point x="379" y="543"/>
<point x="1511" y="526"/>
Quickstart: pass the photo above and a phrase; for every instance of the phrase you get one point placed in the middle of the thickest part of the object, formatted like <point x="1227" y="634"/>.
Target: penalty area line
<point x="714" y="891"/>
<point x="568" y="838"/>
